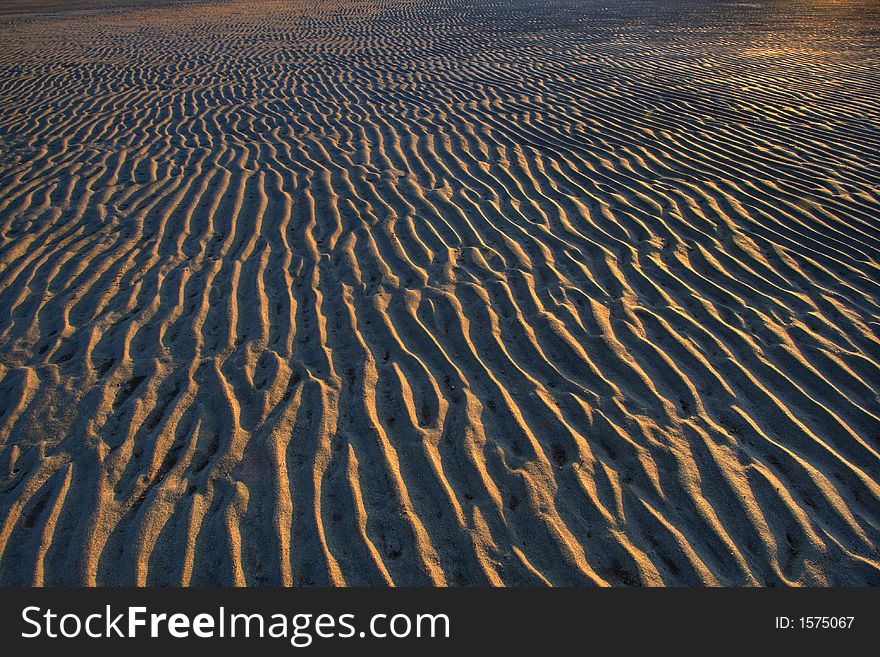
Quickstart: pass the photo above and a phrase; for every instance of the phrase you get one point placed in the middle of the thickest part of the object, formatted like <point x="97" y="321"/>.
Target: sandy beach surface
<point x="440" y="292"/>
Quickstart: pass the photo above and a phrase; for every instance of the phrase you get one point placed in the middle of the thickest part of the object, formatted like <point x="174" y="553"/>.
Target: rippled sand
<point x="440" y="292"/>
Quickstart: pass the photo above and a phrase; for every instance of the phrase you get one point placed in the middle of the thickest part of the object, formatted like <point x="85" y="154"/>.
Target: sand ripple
<point x="440" y="292"/>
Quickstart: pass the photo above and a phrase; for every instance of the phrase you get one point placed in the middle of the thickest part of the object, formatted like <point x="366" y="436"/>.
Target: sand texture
<point x="440" y="292"/>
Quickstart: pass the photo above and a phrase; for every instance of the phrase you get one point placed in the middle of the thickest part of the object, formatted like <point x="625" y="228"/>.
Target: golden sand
<point x="427" y="292"/>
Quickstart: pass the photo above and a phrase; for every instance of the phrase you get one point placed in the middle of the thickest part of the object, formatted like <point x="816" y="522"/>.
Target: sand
<point x="440" y="292"/>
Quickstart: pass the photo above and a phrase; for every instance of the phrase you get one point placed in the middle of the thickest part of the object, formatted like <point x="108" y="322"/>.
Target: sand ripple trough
<point x="425" y="292"/>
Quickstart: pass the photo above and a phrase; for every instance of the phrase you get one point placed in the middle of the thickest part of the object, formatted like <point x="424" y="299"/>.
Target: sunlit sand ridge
<point x="424" y="293"/>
